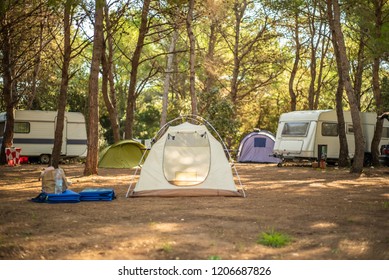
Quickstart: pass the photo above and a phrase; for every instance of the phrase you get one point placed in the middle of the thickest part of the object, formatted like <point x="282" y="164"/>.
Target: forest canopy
<point x="237" y="63"/>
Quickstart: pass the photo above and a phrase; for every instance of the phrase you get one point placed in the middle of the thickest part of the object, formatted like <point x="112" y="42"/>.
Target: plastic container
<point x="58" y="181"/>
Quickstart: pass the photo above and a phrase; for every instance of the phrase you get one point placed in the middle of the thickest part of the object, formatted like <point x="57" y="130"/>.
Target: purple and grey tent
<point x="257" y="146"/>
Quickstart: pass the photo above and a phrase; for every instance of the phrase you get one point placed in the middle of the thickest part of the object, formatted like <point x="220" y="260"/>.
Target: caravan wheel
<point x="45" y="159"/>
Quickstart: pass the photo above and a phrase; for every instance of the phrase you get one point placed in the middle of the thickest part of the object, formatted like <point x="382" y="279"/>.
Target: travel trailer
<point x="34" y="134"/>
<point x="313" y="135"/>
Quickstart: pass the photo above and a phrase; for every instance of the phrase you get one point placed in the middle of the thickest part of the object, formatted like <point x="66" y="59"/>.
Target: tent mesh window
<point x="259" y="142"/>
<point x="186" y="158"/>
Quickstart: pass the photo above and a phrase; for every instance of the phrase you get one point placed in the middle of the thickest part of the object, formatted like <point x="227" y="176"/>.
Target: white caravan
<point x="34" y="134"/>
<point x="311" y="135"/>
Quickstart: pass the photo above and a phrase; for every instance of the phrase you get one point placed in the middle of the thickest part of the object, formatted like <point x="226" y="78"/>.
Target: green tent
<point x="123" y="154"/>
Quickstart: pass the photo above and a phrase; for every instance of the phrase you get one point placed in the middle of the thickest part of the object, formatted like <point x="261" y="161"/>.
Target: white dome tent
<point x="187" y="160"/>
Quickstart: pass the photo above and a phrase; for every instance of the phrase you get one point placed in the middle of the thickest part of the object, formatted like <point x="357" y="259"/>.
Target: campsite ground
<point x="329" y="214"/>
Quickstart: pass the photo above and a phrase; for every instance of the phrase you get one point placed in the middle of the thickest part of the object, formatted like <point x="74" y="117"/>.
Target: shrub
<point x="273" y="239"/>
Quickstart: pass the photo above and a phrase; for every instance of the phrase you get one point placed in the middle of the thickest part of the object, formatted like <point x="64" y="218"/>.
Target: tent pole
<point x="136" y="172"/>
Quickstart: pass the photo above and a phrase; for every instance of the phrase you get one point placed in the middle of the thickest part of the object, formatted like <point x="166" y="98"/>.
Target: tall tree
<point x="108" y="83"/>
<point x="333" y="11"/>
<point x="297" y="57"/>
<point x="37" y="66"/>
<point x="379" y="6"/>
<point x="18" y="23"/>
<point x="8" y="73"/>
<point x="211" y="64"/>
<point x="135" y="60"/>
<point x="360" y="61"/>
<point x="318" y="44"/>
<point x="252" y="53"/>
<point x="62" y="98"/>
<point x="70" y="49"/>
<point x="343" y="146"/>
<point x="93" y="125"/>
<point x="192" y="56"/>
<point x="168" y="74"/>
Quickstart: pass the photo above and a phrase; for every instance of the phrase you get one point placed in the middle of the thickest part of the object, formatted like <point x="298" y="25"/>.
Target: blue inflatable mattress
<point x="97" y="194"/>
<point x="67" y="196"/>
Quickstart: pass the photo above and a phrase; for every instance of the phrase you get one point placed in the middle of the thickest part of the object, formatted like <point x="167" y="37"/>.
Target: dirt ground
<point x="329" y="214"/>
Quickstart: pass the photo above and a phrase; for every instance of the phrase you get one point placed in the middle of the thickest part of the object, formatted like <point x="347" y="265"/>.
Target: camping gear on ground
<point x="97" y="194"/>
<point x="67" y="196"/>
<point x="12" y="155"/>
<point x="55" y="189"/>
<point x="257" y="146"/>
<point x="123" y="154"/>
<point x="54" y="180"/>
<point x="186" y="160"/>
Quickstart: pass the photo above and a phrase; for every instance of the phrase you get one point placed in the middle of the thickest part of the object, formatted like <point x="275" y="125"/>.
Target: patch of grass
<point x="167" y="248"/>
<point x="273" y="239"/>
<point x="385" y="205"/>
<point x="214" y="258"/>
<point x="335" y="251"/>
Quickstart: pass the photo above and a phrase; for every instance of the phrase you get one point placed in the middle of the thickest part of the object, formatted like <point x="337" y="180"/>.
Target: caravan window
<point x="22" y="127"/>
<point x="295" y="129"/>
<point x="329" y="129"/>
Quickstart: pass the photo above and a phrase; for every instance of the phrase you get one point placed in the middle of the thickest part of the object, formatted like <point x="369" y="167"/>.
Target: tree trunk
<point x="192" y="57"/>
<point x="292" y="93"/>
<point x="32" y="98"/>
<point x="311" y="91"/>
<point x="239" y="12"/>
<point x="334" y="18"/>
<point x="8" y="94"/>
<point x="359" y="71"/>
<point x="108" y="81"/>
<point x="312" y="66"/>
<point x="343" y="145"/>
<point x="343" y="160"/>
<point x="63" y="92"/>
<point x="93" y="127"/>
<point x="378" y="5"/>
<point x="209" y="64"/>
<point x="209" y="67"/>
<point x="324" y="50"/>
<point x="169" y="71"/>
<point x="132" y="94"/>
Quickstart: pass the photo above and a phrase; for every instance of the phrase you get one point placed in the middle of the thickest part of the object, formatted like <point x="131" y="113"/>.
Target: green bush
<point x="273" y="239"/>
